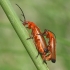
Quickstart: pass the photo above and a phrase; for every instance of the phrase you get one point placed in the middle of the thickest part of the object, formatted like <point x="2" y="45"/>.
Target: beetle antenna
<point x="22" y="12"/>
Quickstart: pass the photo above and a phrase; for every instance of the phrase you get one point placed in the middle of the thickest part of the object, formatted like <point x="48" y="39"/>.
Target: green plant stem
<point x="22" y="34"/>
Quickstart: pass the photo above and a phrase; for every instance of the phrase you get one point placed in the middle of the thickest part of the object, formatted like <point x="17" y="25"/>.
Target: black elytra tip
<point x="53" y="60"/>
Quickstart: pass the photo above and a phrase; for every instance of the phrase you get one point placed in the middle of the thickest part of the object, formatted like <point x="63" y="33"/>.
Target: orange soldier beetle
<point x="51" y="45"/>
<point x="39" y="40"/>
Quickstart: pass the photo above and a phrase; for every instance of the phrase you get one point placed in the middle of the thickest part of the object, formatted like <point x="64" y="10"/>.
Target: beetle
<point x="39" y="40"/>
<point x="51" y="45"/>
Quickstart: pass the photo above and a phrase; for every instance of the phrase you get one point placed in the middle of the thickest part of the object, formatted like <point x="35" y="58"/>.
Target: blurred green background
<point x="47" y="14"/>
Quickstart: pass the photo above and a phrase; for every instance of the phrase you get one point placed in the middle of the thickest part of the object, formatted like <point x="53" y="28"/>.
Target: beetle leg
<point x="37" y="55"/>
<point x="44" y="60"/>
<point x="42" y="34"/>
<point x="31" y="37"/>
<point x="39" y="34"/>
<point x="27" y="27"/>
<point x="48" y="57"/>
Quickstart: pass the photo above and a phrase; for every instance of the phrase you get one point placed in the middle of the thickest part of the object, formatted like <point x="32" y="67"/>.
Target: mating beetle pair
<point x="47" y="52"/>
